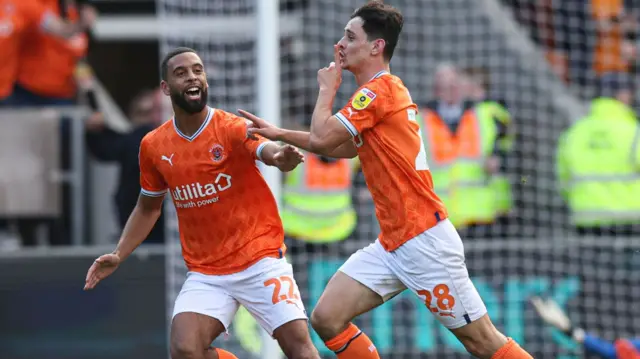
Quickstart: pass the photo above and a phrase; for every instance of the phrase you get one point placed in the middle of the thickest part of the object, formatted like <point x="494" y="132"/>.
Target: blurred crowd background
<point x="528" y="110"/>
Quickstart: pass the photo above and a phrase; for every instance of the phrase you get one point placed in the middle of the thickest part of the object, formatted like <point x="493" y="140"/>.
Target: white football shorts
<point x="431" y="265"/>
<point x="267" y="290"/>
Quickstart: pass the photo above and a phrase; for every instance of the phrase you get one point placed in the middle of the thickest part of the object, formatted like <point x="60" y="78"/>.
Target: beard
<point x="190" y="106"/>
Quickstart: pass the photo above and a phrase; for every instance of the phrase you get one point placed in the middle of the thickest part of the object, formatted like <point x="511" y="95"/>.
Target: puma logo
<point x="168" y="159"/>
<point x="350" y="111"/>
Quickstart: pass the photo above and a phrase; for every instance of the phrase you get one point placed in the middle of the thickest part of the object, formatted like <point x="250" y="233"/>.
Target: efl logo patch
<point x="362" y="99"/>
<point x="217" y="153"/>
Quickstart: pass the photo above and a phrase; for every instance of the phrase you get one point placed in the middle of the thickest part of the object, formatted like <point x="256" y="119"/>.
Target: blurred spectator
<point x="17" y="19"/>
<point x="38" y="46"/>
<point x="145" y="114"/>
<point x="598" y="163"/>
<point x="462" y="144"/>
<point x="540" y="18"/>
<point x="47" y="64"/>
<point x="537" y="16"/>
<point x="446" y="111"/>
<point x="616" y="30"/>
<point x="496" y="115"/>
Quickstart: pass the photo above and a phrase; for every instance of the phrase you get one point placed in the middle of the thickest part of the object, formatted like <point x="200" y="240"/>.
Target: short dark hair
<point x="381" y="21"/>
<point x="164" y="66"/>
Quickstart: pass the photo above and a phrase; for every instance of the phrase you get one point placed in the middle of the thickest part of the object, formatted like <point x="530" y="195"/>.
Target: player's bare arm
<point x="327" y="132"/>
<point x="140" y="222"/>
<point x="286" y="157"/>
<point x="300" y="139"/>
<point x="345" y="150"/>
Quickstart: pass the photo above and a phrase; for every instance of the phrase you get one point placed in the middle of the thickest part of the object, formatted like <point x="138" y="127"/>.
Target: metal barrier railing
<point x="31" y="175"/>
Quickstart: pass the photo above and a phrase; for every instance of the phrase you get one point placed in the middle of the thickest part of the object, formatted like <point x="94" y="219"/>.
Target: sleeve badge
<point x="363" y="99"/>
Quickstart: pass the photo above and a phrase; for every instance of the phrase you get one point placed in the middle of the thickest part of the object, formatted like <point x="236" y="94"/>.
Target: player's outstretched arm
<point x="140" y="222"/>
<point x="300" y="139"/>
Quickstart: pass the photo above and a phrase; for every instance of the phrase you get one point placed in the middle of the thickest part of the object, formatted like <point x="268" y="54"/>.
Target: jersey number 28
<point x="421" y="159"/>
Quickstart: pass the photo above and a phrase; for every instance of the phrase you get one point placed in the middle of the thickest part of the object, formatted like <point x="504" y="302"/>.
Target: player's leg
<point x="203" y="310"/>
<point x="433" y="266"/>
<point x="482" y="339"/>
<point x="363" y="283"/>
<point x="192" y="334"/>
<point x="344" y="299"/>
<point x="270" y="293"/>
<point x="295" y="341"/>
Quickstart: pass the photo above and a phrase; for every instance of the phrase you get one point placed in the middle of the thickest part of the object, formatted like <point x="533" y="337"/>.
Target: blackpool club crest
<point x="217" y="153"/>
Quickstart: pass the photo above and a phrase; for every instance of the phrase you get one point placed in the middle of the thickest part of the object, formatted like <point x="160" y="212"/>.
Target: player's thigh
<point x="364" y="282"/>
<point x="433" y="266"/>
<point x="270" y="293"/>
<point x="295" y="341"/>
<point x="202" y="311"/>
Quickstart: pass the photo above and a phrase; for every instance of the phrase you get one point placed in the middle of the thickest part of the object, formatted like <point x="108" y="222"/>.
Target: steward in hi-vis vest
<point x="458" y="153"/>
<point x="317" y="205"/>
<point x="598" y="166"/>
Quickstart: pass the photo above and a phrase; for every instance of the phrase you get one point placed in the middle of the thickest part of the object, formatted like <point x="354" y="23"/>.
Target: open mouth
<point x="193" y="93"/>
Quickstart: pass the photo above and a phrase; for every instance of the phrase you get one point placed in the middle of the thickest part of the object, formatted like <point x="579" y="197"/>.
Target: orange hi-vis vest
<point x="456" y="161"/>
<point x="626" y="350"/>
<point x="317" y="204"/>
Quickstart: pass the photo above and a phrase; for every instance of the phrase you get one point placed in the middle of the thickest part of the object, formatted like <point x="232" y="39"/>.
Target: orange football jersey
<point x="227" y="216"/>
<point x="381" y="117"/>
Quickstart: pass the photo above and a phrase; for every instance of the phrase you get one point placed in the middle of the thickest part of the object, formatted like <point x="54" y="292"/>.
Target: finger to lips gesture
<point x="330" y="77"/>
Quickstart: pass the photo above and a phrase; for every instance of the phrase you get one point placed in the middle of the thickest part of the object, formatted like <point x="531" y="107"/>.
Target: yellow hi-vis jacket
<point x="456" y="162"/>
<point x="598" y="166"/>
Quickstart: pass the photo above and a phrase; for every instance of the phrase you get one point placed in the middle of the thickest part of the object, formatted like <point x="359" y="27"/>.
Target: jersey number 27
<point x="421" y="159"/>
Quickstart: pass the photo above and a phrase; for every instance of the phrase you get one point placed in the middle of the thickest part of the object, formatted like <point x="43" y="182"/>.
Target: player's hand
<point x="259" y="126"/>
<point x="330" y="78"/>
<point x="287" y="158"/>
<point x="100" y="269"/>
<point x="551" y="313"/>
<point x="88" y="16"/>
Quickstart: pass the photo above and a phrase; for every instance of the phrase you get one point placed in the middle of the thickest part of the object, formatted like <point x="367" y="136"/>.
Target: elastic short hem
<point x="225" y="325"/>
<point x="462" y="322"/>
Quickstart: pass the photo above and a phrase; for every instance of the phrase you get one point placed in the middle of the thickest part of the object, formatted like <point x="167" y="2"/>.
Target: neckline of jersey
<point x="379" y="74"/>
<point x="202" y="127"/>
